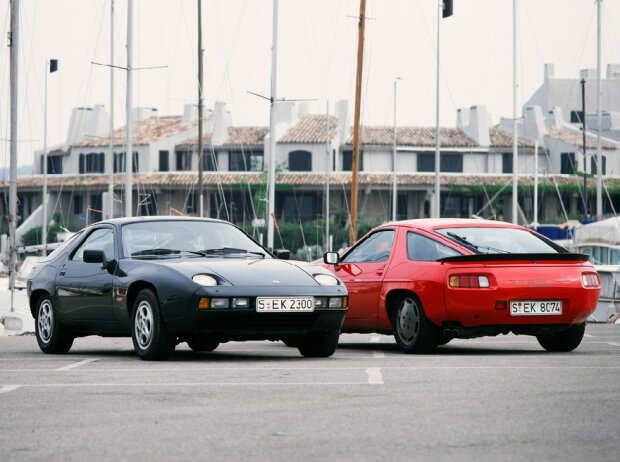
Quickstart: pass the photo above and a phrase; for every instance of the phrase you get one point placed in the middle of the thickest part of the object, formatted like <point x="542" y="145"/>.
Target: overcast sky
<point x="316" y="56"/>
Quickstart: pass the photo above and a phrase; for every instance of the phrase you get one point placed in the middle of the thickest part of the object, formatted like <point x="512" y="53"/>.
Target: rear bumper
<point x="455" y="330"/>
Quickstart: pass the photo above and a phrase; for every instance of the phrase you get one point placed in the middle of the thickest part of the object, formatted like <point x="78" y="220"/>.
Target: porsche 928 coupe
<point x="429" y="281"/>
<point x="166" y="280"/>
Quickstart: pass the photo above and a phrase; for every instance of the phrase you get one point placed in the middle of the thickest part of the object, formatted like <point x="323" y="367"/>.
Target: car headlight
<point x="326" y="280"/>
<point x="204" y="280"/>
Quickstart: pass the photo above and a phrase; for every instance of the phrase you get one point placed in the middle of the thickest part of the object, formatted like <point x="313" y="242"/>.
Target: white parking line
<point x="375" y="377"/>
<point x="375" y="339"/>
<point x="78" y="364"/>
<point x="613" y="344"/>
<point x="588" y="335"/>
<point x="8" y="388"/>
<point x="378" y="354"/>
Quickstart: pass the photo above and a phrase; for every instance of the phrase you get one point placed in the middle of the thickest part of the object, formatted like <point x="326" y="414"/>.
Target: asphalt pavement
<point x="501" y="398"/>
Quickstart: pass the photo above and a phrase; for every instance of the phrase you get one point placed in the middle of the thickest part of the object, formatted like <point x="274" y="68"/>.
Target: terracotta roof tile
<point x="501" y="138"/>
<point x="144" y="132"/>
<point x="237" y="136"/>
<point x="575" y="138"/>
<point x="414" y="136"/>
<point x="311" y="128"/>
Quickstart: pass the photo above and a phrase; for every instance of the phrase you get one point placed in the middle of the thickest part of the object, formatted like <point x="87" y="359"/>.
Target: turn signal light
<point x="590" y="280"/>
<point x="203" y="303"/>
<point x="468" y="281"/>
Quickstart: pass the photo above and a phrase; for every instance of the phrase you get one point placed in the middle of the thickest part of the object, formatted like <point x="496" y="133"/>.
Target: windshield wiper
<point x="475" y="247"/>
<point x="462" y="240"/>
<point x="161" y="251"/>
<point x="157" y="251"/>
<point x="229" y="251"/>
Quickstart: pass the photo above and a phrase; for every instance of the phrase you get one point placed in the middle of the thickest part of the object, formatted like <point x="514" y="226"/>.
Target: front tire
<point x="150" y="337"/>
<point x="564" y="341"/>
<point x="413" y="332"/>
<point x="52" y="336"/>
<point x="319" y="344"/>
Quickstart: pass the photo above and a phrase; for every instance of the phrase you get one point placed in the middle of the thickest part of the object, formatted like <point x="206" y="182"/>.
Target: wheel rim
<point x="45" y="321"/>
<point x="144" y="324"/>
<point x="408" y="321"/>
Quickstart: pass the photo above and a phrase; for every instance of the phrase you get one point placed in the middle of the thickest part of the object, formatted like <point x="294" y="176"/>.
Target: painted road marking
<point x="375" y="339"/>
<point x="378" y="354"/>
<point x="375" y="377"/>
<point x="78" y="364"/>
<point x="8" y="388"/>
<point x="588" y="335"/>
<point x="613" y="344"/>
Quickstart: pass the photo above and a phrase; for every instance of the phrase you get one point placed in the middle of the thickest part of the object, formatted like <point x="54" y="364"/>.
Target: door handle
<point x="62" y="273"/>
<point x="379" y="272"/>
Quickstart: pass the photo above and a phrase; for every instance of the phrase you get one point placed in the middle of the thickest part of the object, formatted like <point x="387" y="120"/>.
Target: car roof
<point x="126" y="220"/>
<point x="430" y="224"/>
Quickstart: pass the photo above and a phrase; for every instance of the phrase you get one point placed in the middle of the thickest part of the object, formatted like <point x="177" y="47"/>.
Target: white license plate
<point x="535" y="307"/>
<point x="288" y="304"/>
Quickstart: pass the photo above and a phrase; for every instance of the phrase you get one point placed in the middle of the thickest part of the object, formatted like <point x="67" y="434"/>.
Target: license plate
<point x="288" y="304"/>
<point x="535" y="307"/>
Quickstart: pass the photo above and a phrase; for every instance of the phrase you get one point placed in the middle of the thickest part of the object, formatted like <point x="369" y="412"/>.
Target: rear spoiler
<point x="533" y="257"/>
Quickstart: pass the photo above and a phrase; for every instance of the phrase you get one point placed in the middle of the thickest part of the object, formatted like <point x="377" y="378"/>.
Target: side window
<point x="376" y="248"/>
<point x="421" y="248"/>
<point x="100" y="239"/>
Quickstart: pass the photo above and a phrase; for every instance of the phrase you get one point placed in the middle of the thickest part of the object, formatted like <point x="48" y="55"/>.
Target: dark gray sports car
<point x="166" y="280"/>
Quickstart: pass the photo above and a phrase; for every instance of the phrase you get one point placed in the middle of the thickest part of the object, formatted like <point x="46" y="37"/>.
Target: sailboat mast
<point x="356" y="121"/>
<point x="327" y="169"/>
<point x="14" y="43"/>
<point x="200" y="144"/>
<point x="515" y="152"/>
<point x="111" y="155"/>
<point x="599" y="121"/>
<point x="128" y="114"/>
<point x="272" y="130"/>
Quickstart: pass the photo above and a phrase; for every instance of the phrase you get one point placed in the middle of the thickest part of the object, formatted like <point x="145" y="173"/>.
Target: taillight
<point x="590" y="280"/>
<point x="470" y="281"/>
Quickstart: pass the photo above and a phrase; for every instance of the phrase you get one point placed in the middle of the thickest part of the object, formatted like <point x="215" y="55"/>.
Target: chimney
<point x="477" y="126"/>
<point x="87" y="122"/>
<point x="549" y="71"/>
<point x="534" y="124"/>
<point x="587" y="74"/>
<point x="613" y="72"/>
<point x="221" y="123"/>
<point x="555" y="118"/>
<point x="342" y="112"/>
<point x="142" y="113"/>
<point x="190" y="114"/>
<point x="462" y="117"/>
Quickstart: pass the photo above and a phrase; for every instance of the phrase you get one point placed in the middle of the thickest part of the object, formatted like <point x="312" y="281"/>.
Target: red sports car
<point x="431" y="280"/>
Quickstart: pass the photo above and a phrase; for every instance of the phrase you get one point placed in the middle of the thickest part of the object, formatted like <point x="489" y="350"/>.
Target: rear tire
<point x="564" y="341"/>
<point x="319" y="344"/>
<point x="52" y="337"/>
<point x="202" y="343"/>
<point x="413" y="332"/>
<point x="150" y="337"/>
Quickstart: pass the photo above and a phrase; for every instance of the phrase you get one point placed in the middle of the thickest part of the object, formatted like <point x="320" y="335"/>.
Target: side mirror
<point x="94" y="256"/>
<point x="331" y="258"/>
<point x="283" y="254"/>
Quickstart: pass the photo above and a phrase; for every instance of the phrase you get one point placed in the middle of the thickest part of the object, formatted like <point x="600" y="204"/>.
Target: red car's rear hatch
<point x="548" y="288"/>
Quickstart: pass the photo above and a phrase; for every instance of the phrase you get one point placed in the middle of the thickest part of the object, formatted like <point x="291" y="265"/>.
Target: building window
<point x="119" y="162"/>
<point x="567" y="163"/>
<point x="184" y="161"/>
<point x="593" y="168"/>
<point x="78" y="205"/>
<point x="54" y="165"/>
<point x="507" y="162"/>
<point x="94" y="209"/>
<point x="301" y="206"/>
<point x="245" y="161"/>
<point x="426" y="162"/>
<point x="208" y="161"/>
<point x="576" y="117"/>
<point x="91" y="163"/>
<point x="347" y="161"/>
<point x="164" y="161"/>
<point x="452" y="163"/>
<point x="147" y="204"/>
<point x="300" y="161"/>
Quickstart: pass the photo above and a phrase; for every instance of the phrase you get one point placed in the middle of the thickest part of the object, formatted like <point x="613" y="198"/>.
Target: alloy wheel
<point x="45" y="321"/>
<point x="408" y="320"/>
<point x="144" y="324"/>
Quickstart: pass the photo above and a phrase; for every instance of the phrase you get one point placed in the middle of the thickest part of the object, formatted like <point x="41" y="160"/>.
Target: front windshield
<point x="173" y="237"/>
<point x="487" y="239"/>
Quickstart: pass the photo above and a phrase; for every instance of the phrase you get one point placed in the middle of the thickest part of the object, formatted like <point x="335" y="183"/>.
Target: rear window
<point x="499" y="240"/>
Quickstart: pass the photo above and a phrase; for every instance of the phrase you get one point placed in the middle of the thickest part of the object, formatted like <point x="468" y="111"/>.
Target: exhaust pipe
<point x="447" y="332"/>
<point x="455" y="332"/>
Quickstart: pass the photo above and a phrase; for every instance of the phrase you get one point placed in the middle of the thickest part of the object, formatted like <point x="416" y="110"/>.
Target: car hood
<point x="247" y="272"/>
